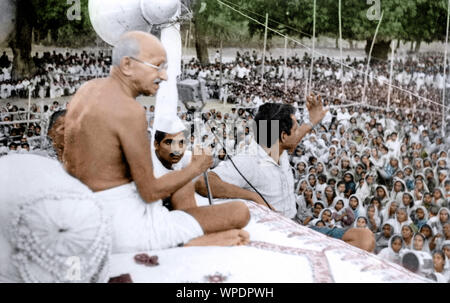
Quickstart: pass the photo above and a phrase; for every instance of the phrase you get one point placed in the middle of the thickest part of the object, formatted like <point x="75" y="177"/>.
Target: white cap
<point x="169" y="124"/>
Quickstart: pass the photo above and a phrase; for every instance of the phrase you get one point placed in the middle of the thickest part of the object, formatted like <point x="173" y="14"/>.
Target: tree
<point x="20" y="42"/>
<point x="432" y="17"/>
<point x="359" y="13"/>
<point x="294" y="18"/>
<point x="53" y="18"/>
<point x="400" y="20"/>
<point x="211" y="19"/>
<point x="44" y="16"/>
<point x="200" y="21"/>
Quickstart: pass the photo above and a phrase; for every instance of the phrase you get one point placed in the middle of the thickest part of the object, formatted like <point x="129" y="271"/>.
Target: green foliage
<point x="427" y="22"/>
<point x="219" y="23"/>
<point x="417" y="20"/>
<point x="409" y="20"/>
<point x="51" y="16"/>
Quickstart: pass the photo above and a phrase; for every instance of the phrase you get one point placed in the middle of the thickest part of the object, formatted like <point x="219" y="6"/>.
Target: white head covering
<point x="169" y="124"/>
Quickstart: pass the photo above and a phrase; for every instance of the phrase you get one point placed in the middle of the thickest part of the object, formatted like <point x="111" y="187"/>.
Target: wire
<point x="337" y="61"/>
<point x="235" y="167"/>
<point x="357" y="103"/>
<point x="272" y="20"/>
<point x="287" y="26"/>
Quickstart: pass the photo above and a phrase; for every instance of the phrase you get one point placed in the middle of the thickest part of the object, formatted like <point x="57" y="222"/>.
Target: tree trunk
<point x="20" y="43"/>
<point x="417" y="48"/>
<point x="37" y="37"/>
<point x="201" y="46"/>
<point x="49" y="37"/>
<point x="200" y="21"/>
<point x="380" y="50"/>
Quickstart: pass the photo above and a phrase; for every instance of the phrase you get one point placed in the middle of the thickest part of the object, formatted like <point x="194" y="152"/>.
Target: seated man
<point x="54" y="146"/>
<point x="269" y="174"/>
<point x="56" y="132"/>
<point x="106" y="147"/>
<point x="168" y="154"/>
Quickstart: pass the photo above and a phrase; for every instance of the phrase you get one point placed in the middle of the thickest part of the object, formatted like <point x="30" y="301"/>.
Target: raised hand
<point x="315" y="108"/>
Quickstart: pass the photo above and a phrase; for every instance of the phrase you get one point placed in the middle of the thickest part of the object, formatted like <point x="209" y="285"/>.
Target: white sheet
<point x="280" y="251"/>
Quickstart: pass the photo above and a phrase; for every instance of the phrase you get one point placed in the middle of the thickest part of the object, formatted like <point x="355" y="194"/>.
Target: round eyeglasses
<point x="160" y="68"/>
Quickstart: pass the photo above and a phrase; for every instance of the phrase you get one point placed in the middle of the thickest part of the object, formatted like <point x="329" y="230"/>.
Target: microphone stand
<point x="205" y="173"/>
<point x="205" y="176"/>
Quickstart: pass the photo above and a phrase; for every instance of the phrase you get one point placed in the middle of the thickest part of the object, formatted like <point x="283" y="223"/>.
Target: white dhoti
<point x="139" y="226"/>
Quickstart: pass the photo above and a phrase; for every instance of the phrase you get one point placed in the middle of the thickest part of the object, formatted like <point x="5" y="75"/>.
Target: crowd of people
<point x="22" y="131"/>
<point x="363" y="166"/>
<point x="239" y="81"/>
<point x="56" y="74"/>
<point x="360" y="168"/>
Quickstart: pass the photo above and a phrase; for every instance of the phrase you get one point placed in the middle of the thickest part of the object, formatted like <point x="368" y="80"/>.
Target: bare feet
<point x="233" y="237"/>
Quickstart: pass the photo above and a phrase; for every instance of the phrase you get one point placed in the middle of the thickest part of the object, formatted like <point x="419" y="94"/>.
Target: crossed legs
<point x="222" y="224"/>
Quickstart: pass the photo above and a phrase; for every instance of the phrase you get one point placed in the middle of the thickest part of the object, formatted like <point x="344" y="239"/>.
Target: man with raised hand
<point x="268" y="170"/>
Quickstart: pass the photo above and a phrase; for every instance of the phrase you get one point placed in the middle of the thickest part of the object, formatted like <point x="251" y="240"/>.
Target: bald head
<point x="139" y="60"/>
<point x="134" y="44"/>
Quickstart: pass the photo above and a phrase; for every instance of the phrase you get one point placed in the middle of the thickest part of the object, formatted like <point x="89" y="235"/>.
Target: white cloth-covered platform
<point x="47" y="217"/>
<point x="51" y="227"/>
<point x="280" y="251"/>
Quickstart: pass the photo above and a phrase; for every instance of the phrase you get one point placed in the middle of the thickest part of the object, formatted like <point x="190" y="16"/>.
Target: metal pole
<point x="29" y="106"/>
<point x="185" y="51"/>
<point x="221" y="49"/>
<point x="264" y="52"/>
<point x="445" y="70"/>
<point x="208" y="188"/>
<point x="368" y="59"/>
<point x="390" y="75"/>
<point x="313" y="46"/>
<point x="186" y="40"/>
<point x="340" y="47"/>
<point x="285" y="63"/>
<point x="189" y="36"/>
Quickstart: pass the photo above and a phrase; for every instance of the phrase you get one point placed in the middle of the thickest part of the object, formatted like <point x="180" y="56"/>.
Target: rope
<point x="356" y="103"/>
<point x="20" y="122"/>
<point x="18" y="112"/>
<point x="313" y="46"/>
<point x="390" y="75"/>
<point x="319" y="53"/>
<point x="445" y="66"/>
<point x="271" y="20"/>
<point x="340" y="44"/>
<point x="370" y="57"/>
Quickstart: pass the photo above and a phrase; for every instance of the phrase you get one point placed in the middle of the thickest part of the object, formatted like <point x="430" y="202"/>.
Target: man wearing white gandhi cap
<point x="169" y="146"/>
<point x="168" y="154"/>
